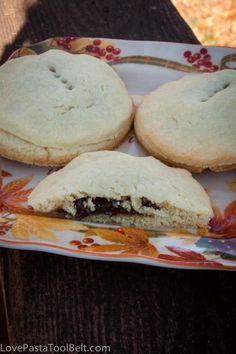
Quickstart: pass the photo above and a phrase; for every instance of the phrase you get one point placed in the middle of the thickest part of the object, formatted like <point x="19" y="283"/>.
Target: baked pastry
<point x="112" y="187"/>
<point x="191" y="122"/>
<point x="57" y="105"/>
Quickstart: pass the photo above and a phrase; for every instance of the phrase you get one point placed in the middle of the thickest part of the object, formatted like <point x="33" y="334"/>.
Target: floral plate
<point x="143" y="66"/>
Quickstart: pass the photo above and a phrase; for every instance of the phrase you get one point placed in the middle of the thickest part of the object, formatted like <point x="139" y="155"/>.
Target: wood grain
<point x="4" y="338"/>
<point x="133" y="308"/>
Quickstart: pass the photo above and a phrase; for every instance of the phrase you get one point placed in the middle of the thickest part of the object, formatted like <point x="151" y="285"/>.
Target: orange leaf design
<point x="232" y="186"/>
<point x="26" y="225"/>
<point x="185" y="261"/>
<point x="4" y="226"/>
<point x="108" y="235"/>
<point x="178" y="233"/>
<point x="183" y="256"/>
<point x="12" y="195"/>
<point x="132" y="250"/>
<point x="6" y="173"/>
<point x="106" y="248"/>
<point x="224" y="225"/>
<point x="230" y="210"/>
<point x="149" y="251"/>
<point x="21" y="52"/>
<point x="128" y="240"/>
<point x="187" y="254"/>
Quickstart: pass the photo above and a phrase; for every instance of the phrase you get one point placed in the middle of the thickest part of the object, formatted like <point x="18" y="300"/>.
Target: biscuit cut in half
<point x="112" y="187"/>
<point x="56" y="105"/>
<point x="191" y="122"/>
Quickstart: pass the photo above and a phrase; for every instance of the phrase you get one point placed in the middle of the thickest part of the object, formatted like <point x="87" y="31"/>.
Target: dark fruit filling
<point x="101" y="206"/>
<point x="107" y="207"/>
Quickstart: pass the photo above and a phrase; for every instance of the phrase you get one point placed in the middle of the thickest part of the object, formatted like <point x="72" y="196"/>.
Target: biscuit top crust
<point x="192" y="120"/>
<point x="114" y="176"/>
<point x="57" y="99"/>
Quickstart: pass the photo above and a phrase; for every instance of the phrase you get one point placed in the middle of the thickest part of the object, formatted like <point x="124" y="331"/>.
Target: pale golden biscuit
<point x="57" y="105"/>
<point x="191" y="122"/>
<point x="112" y="187"/>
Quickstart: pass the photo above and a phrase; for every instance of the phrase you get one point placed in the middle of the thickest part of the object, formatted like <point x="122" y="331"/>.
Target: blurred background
<point x="212" y="21"/>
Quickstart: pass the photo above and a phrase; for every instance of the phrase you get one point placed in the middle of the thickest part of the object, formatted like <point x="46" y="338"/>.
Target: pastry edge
<point x="192" y="164"/>
<point x="14" y="148"/>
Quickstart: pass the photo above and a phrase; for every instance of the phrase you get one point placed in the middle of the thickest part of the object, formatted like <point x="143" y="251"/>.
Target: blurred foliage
<point x="212" y="21"/>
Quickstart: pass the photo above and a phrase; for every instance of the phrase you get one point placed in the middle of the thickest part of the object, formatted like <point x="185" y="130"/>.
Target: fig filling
<point x="93" y="206"/>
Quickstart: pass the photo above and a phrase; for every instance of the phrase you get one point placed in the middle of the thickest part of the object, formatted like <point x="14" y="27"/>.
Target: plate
<point x="143" y="66"/>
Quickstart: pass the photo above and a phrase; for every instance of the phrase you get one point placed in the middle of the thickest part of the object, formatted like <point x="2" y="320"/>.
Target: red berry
<point x="72" y="38"/>
<point x="207" y="64"/>
<point x="87" y="240"/>
<point x="67" y="46"/>
<point x="89" y="48"/>
<point x="97" y="41"/>
<point x="117" y="58"/>
<point x="102" y="52"/>
<point x="203" y="51"/>
<point x="200" y="62"/>
<point x="75" y="243"/>
<point x="121" y="230"/>
<point x="110" y="48"/>
<point x="67" y="39"/>
<point x="97" y="56"/>
<point x="191" y="59"/>
<point x="187" y="54"/>
<point x="116" y="51"/>
<point x="207" y="57"/>
<point x="94" y="49"/>
<point x="197" y="56"/>
<point x="109" y="56"/>
<point x="82" y="247"/>
<point x="60" y="42"/>
<point x="215" y="67"/>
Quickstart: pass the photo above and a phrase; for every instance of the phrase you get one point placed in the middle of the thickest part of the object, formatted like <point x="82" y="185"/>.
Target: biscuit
<point x="191" y="122"/>
<point x="56" y="105"/>
<point x="113" y="187"/>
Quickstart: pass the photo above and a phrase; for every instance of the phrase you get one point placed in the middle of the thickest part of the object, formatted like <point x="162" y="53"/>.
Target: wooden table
<point x="133" y="308"/>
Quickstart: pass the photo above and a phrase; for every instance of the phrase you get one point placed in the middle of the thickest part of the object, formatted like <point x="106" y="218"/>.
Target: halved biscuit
<point x="57" y="105"/>
<point x="191" y="122"/>
<point x="115" y="187"/>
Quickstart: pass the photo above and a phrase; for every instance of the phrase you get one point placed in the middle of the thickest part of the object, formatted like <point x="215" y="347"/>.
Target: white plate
<point x="143" y="66"/>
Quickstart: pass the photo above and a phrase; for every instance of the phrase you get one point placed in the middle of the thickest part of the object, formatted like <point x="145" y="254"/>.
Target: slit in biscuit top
<point x="92" y="206"/>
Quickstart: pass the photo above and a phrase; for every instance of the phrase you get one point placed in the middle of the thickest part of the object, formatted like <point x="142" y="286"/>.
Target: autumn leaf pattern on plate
<point x="232" y="186"/>
<point x="186" y="255"/>
<point x="126" y="240"/>
<point x="224" y="226"/>
<point x="13" y="195"/>
<point x="4" y="226"/>
<point x="5" y="173"/>
<point x="199" y="248"/>
<point x="26" y="225"/>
